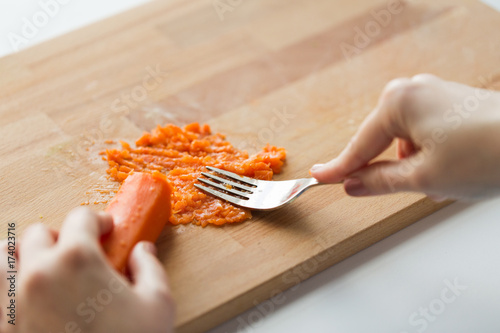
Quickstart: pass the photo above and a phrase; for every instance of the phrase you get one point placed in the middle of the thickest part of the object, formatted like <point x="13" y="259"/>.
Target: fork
<point x="252" y="193"/>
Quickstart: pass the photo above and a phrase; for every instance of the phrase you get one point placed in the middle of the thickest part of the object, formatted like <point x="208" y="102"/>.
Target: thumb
<point x="147" y="273"/>
<point x="381" y="178"/>
<point x="374" y="136"/>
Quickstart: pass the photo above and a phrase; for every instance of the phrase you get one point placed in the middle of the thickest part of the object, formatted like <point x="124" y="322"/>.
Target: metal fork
<point x="252" y="193"/>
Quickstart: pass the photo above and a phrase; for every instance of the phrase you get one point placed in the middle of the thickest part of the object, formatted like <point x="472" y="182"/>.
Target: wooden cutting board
<point x="295" y="73"/>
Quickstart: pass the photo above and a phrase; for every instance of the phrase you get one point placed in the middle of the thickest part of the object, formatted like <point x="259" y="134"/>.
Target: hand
<point x="448" y="143"/>
<point x="66" y="284"/>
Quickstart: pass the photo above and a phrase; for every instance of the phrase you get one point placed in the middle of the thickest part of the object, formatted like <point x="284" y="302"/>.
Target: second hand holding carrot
<point x="66" y="283"/>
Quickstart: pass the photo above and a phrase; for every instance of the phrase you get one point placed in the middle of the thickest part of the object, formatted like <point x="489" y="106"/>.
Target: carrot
<point x="140" y="210"/>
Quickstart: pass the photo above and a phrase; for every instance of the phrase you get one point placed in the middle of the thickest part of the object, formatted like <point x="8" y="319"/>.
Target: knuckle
<point x="34" y="230"/>
<point x="164" y="296"/>
<point x="381" y="181"/>
<point x="81" y="210"/>
<point x="406" y="96"/>
<point x="355" y="158"/>
<point x="395" y="87"/>
<point x="33" y="281"/>
<point x="77" y="256"/>
<point x="403" y="98"/>
<point x="404" y="92"/>
<point x="355" y="152"/>
<point x="396" y="97"/>
<point x="81" y="216"/>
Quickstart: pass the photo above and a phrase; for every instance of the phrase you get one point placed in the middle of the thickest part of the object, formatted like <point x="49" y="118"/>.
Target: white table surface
<point x="401" y="284"/>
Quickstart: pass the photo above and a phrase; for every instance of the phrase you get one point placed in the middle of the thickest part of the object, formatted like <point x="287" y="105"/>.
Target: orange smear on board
<point x="182" y="154"/>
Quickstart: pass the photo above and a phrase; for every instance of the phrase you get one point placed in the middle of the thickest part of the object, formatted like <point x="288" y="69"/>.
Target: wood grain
<point x="270" y="71"/>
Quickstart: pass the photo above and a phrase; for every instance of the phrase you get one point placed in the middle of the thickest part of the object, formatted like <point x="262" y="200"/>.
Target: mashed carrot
<point x="182" y="154"/>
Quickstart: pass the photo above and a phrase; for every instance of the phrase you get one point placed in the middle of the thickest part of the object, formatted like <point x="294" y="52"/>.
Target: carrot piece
<point x="140" y="210"/>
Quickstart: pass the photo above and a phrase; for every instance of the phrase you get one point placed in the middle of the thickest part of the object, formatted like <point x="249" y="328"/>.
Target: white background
<point x="378" y="289"/>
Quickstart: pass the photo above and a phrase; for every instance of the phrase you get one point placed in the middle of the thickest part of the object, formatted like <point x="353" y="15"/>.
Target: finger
<point x="382" y="178"/>
<point x="405" y="148"/>
<point x="106" y="221"/>
<point x="35" y="239"/>
<point x="83" y="226"/>
<point x="373" y="137"/>
<point x="146" y="271"/>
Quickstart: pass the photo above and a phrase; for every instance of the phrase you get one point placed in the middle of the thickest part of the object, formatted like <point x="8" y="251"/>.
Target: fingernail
<point x="316" y="167"/>
<point x="149" y="247"/>
<point x="355" y="187"/>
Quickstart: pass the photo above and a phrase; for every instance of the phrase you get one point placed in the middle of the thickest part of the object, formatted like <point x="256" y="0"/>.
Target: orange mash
<point x="182" y="154"/>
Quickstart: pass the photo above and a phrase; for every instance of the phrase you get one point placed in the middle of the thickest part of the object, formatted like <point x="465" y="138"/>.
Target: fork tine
<point x="221" y="195"/>
<point x="227" y="181"/>
<point x="247" y="180"/>
<point x="223" y="188"/>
